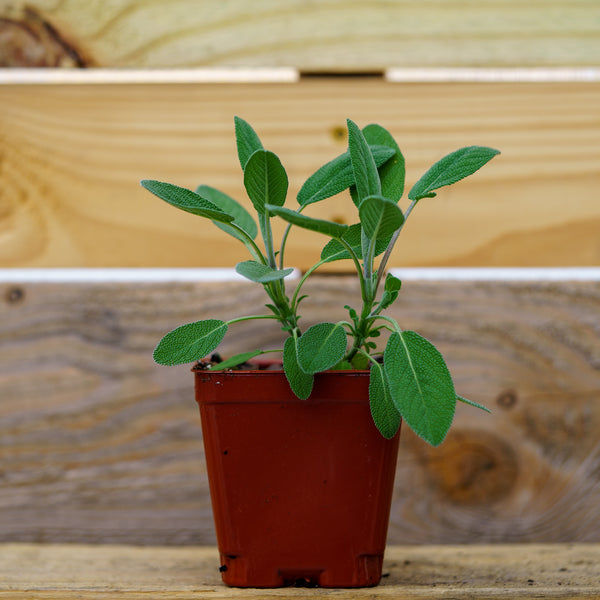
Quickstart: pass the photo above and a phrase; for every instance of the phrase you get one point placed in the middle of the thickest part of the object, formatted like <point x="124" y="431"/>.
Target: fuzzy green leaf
<point x="334" y="250"/>
<point x="379" y="217"/>
<point x="330" y="228"/>
<point x="259" y="273"/>
<point x="186" y="200"/>
<point x="241" y="217"/>
<point x="393" y="171"/>
<point x="300" y="382"/>
<point x="190" y="342"/>
<point x="385" y="415"/>
<point x="247" y="141"/>
<point x="336" y="176"/>
<point x="420" y="385"/>
<point x="475" y="404"/>
<point x="365" y="171"/>
<point x="391" y="289"/>
<point x="234" y="361"/>
<point x="450" y="169"/>
<point x="265" y="180"/>
<point x="321" y="346"/>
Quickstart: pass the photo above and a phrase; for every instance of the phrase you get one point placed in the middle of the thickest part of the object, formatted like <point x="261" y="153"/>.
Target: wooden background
<point x="314" y="36"/>
<point x="98" y="444"/>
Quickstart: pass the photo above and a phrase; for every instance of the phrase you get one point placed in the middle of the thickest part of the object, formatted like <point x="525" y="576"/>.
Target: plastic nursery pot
<point x="301" y="489"/>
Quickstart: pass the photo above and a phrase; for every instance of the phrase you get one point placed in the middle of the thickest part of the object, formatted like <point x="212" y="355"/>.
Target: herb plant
<point x="412" y="382"/>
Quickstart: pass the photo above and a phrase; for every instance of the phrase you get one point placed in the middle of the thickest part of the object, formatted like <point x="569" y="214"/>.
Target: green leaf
<point x="259" y="273"/>
<point x="190" y="342"/>
<point x="334" y="250"/>
<point x="186" y="200"/>
<point x="379" y="217"/>
<point x="265" y="180"/>
<point x="393" y="171"/>
<point x="391" y="289"/>
<point x="336" y="176"/>
<point x="365" y="171"/>
<point x="385" y="415"/>
<point x="330" y="228"/>
<point x="247" y="141"/>
<point x="450" y="169"/>
<point x="234" y="361"/>
<point x="300" y="382"/>
<point x="321" y="346"/>
<point x="241" y="217"/>
<point x="475" y="404"/>
<point x="420" y="384"/>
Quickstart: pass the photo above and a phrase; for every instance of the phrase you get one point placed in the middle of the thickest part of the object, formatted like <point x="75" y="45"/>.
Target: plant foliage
<point x="412" y="382"/>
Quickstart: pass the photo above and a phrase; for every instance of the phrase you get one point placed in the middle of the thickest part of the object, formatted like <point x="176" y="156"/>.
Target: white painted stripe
<point x="532" y="74"/>
<point x="123" y="76"/>
<point x="140" y="275"/>
<point x="499" y="274"/>
<point x="96" y="275"/>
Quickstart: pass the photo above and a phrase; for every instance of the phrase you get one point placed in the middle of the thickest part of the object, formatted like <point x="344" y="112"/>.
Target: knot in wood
<point x="472" y="468"/>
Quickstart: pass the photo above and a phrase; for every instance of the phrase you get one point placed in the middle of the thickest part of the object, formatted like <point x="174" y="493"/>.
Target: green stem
<point x="250" y="244"/>
<point x="285" y="237"/>
<point x="306" y="275"/>
<point x="388" y="250"/>
<point x="361" y="277"/>
<point x="251" y="317"/>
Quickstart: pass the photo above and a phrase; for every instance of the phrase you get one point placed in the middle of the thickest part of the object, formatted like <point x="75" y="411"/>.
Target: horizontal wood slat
<point x="318" y="36"/>
<point x="98" y="444"/>
<point x="71" y="157"/>
<point x="57" y="572"/>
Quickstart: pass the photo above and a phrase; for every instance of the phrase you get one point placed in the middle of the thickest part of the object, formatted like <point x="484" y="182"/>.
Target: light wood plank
<point x="72" y="156"/>
<point x="461" y="572"/>
<point x="101" y="445"/>
<point x="320" y="36"/>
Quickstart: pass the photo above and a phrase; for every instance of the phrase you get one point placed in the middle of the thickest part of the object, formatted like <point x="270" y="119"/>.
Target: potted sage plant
<point x="301" y="459"/>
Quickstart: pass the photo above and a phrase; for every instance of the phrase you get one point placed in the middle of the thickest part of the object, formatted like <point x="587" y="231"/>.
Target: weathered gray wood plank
<point x="98" y="444"/>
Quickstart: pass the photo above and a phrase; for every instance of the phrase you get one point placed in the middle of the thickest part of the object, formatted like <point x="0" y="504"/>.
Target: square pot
<point x="301" y="489"/>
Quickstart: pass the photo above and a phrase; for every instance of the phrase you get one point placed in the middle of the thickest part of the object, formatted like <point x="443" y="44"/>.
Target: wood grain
<point x="320" y="36"/>
<point x="71" y="157"/>
<point x="461" y="572"/>
<point x="98" y="444"/>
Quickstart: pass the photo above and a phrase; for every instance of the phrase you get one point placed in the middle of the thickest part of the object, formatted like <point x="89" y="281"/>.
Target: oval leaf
<point x="300" y="382"/>
<point x="259" y="273"/>
<point x="366" y="176"/>
<point x="450" y="169"/>
<point x="241" y="217"/>
<point x="186" y="200"/>
<point x="385" y="415"/>
<point x="247" y="141"/>
<point x="391" y="173"/>
<point x="321" y="347"/>
<point x="379" y="217"/>
<point x="336" y="176"/>
<point x="330" y="228"/>
<point x="190" y="342"/>
<point x="265" y="180"/>
<point x="420" y="385"/>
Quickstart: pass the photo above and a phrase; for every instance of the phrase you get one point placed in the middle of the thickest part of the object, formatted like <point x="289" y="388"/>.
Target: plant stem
<point x="251" y="317"/>
<point x="388" y="250"/>
<point x="294" y="304"/>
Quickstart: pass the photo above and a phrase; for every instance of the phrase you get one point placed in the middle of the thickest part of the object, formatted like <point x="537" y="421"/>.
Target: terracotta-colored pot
<point x="301" y="489"/>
